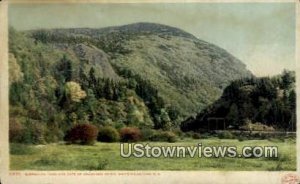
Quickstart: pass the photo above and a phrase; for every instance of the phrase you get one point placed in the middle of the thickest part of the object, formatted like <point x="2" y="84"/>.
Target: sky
<point x="262" y="35"/>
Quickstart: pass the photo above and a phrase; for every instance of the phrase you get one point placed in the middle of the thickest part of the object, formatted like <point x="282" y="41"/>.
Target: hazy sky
<point x="262" y="35"/>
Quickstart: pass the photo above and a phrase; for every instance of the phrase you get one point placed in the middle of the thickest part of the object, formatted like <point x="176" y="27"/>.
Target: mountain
<point x="141" y="74"/>
<point x="178" y="64"/>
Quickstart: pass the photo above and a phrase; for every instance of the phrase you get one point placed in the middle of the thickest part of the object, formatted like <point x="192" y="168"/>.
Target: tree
<point x="108" y="89"/>
<point x="65" y="69"/>
<point x="83" y="78"/>
<point x="163" y="120"/>
<point x="74" y="92"/>
<point x="233" y="115"/>
<point x="287" y="79"/>
<point x="15" y="73"/>
<point x="135" y="116"/>
<point x="108" y="134"/>
<point x="92" y="77"/>
<point x="292" y="99"/>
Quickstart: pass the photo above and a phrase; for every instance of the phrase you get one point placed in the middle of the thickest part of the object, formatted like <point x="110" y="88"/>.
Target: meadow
<point x="106" y="156"/>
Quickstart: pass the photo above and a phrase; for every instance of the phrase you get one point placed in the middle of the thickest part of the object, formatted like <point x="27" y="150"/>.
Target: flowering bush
<point x="82" y="134"/>
<point x="130" y="134"/>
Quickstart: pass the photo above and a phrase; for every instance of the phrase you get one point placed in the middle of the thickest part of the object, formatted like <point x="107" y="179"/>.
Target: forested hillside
<point x="141" y="75"/>
<point x="249" y="102"/>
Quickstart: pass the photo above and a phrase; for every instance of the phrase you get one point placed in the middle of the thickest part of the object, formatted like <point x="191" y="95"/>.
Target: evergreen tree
<point x="64" y="69"/>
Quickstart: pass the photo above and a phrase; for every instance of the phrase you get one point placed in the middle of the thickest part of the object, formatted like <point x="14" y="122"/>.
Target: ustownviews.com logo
<point x="140" y="150"/>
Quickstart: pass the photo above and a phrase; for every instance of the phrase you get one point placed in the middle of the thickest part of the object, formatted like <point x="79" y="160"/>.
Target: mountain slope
<point x="143" y="75"/>
<point x="187" y="77"/>
<point x="188" y="73"/>
<point x="251" y="102"/>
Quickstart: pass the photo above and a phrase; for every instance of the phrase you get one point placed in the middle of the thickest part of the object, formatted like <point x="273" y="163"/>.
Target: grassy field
<point x="106" y="156"/>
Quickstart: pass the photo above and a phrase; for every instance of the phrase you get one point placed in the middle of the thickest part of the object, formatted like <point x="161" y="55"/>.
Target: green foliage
<point x="32" y="132"/>
<point x="164" y="136"/>
<point x="196" y="135"/>
<point x="149" y="94"/>
<point x="15" y="130"/>
<point x="226" y="135"/>
<point x="58" y="89"/>
<point x="178" y="132"/>
<point x="153" y="59"/>
<point x="108" y="134"/>
<point x="268" y="101"/>
<point x="163" y="120"/>
<point x="15" y="73"/>
<point x="64" y="70"/>
<point x="54" y="132"/>
<point x="137" y="75"/>
<point x="147" y="133"/>
<point x="189" y="134"/>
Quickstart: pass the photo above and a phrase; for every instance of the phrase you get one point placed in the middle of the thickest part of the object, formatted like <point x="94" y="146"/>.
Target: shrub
<point x="188" y="134"/>
<point x="108" y="134"/>
<point x="196" y="135"/>
<point x="206" y="135"/>
<point x="130" y="134"/>
<point x="30" y="133"/>
<point x="225" y="135"/>
<point x="241" y="138"/>
<point x="15" y="130"/>
<point x="38" y="131"/>
<point x="147" y="133"/>
<point x="178" y="132"/>
<point x="164" y="136"/>
<point x="53" y="135"/>
<point x="260" y="135"/>
<point x="33" y="132"/>
<point x="83" y="134"/>
<point x="119" y="125"/>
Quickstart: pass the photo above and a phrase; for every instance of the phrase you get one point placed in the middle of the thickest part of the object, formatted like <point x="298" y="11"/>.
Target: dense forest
<point x="47" y="98"/>
<point x="147" y="76"/>
<point x="269" y="101"/>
